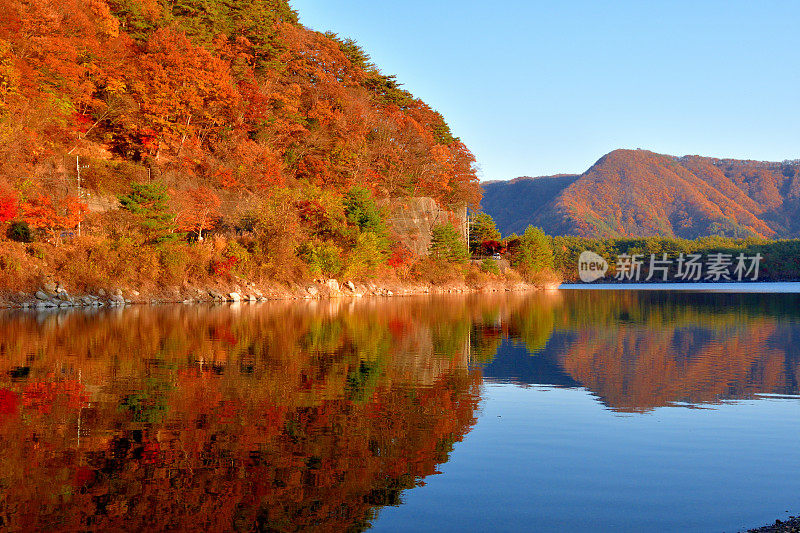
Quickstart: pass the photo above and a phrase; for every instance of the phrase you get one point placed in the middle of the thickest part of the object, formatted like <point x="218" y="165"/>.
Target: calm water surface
<point x="563" y="411"/>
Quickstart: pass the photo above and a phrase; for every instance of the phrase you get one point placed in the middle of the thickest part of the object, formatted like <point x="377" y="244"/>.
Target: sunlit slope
<point x="631" y="193"/>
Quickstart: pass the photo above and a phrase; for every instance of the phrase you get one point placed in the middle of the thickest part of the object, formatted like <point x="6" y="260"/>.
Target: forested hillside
<point x="630" y="193"/>
<point x="232" y="95"/>
<point x="190" y="118"/>
<point x="513" y="204"/>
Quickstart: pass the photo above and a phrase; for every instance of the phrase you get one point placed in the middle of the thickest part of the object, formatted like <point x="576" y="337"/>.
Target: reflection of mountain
<point x="634" y="368"/>
<point x="513" y="363"/>
<point x="313" y="416"/>
<point x="638" y="351"/>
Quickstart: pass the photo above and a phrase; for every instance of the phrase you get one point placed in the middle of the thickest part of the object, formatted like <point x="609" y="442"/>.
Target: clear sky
<point x="542" y="87"/>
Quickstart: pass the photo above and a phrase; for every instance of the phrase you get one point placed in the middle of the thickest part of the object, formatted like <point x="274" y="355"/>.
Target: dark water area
<point x="559" y="411"/>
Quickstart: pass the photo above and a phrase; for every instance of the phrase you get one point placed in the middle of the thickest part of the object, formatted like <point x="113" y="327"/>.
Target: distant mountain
<point x="634" y="193"/>
<point x="514" y="204"/>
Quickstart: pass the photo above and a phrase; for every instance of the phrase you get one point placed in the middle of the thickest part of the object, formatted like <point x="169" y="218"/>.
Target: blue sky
<point x="537" y="87"/>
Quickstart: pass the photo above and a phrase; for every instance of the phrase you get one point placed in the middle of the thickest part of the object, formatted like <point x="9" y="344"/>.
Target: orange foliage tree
<point x="199" y="211"/>
<point x="42" y="214"/>
<point x="182" y="88"/>
<point x="234" y="96"/>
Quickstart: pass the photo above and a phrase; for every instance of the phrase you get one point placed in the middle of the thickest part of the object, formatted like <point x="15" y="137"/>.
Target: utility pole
<point x="467" y="216"/>
<point x="80" y="191"/>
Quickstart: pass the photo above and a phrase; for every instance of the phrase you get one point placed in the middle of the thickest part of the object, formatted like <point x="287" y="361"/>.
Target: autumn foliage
<point x="41" y="213"/>
<point x="225" y="105"/>
<point x="218" y="103"/>
<point x="8" y="205"/>
<point x="199" y="211"/>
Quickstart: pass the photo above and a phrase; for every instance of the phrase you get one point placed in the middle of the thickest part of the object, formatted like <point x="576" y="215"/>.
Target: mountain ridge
<point x="639" y="193"/>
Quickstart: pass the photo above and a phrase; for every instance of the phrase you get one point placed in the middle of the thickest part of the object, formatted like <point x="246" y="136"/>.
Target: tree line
<point x="535" y="252"/>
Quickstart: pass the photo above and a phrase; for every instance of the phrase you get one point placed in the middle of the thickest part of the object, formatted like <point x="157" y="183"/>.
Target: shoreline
<point x="52" y="296"/>
<point x="700" y="286"/>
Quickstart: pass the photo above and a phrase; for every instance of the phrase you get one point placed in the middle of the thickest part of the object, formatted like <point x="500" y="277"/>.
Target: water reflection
<point x="279" y="417"/>
<point x="641" y="350"/>
<point x="295" y="416"/>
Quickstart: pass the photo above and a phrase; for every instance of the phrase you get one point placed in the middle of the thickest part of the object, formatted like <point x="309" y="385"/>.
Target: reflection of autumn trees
<point x="270" y="417"/>
<point x="534" y="321"/>
<point x="641" y="350"/>
<point x="314" y="415"/>
<point x="219" y="463"/>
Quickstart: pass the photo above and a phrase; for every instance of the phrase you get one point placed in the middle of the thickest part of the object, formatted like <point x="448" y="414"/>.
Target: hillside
<point x="232" y="95"/>
<point x="629" y="193"/>
<point x="513" y="204"/>
<point x="205" y="120"/>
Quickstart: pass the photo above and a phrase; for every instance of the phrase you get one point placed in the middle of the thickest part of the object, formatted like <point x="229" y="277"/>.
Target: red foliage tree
<point x="400" y="256"/>
<point x="8" y="205"/>
<point x="183" y="89"/>
<point x="491" y="247"/>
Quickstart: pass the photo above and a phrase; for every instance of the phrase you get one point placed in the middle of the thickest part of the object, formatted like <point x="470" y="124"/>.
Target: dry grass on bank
<point x="87" y="264"/>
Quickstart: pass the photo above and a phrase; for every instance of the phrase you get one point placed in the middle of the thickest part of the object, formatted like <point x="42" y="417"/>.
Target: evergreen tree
<point x="481" y="229"/>
<point x="534" y="252"/>
<point x="447" y="244"/>
<point x="149" y="201"/>
<point x="362" y="211"/>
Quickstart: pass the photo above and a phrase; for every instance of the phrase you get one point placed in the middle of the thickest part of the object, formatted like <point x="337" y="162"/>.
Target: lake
<point x="590" y="410"/>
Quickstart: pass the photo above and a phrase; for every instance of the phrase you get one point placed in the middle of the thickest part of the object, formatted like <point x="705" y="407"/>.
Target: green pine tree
<point x="150" y="202"/>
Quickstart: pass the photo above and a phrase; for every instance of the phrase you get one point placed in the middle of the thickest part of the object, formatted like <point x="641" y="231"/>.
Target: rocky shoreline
<point x="52" y="295"/>
<point x="790" y="525"/>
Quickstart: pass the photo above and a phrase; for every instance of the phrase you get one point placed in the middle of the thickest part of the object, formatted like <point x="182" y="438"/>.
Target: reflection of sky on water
<point x="555" y="459"/>
<point x="646" y="411"/>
